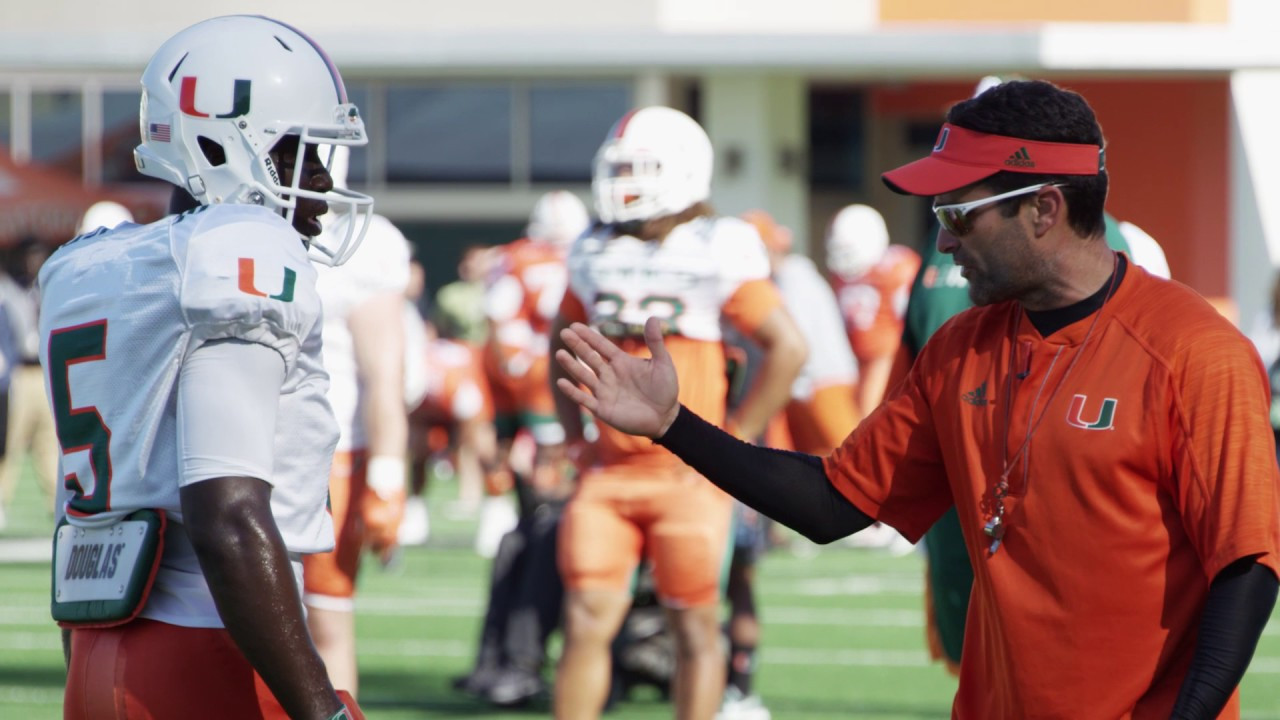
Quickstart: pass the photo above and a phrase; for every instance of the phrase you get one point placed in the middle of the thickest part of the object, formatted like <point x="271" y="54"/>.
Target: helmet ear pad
<point x="656" y="161"/>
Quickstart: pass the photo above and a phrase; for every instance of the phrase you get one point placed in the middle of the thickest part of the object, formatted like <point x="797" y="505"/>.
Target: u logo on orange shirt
<point x="1105" y="419"/>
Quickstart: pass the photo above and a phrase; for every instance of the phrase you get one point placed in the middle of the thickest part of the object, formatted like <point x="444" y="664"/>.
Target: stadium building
<point x="477" y="107"/>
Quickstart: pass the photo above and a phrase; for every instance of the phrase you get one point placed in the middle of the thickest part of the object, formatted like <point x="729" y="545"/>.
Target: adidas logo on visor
<point x="1020" y="159"/>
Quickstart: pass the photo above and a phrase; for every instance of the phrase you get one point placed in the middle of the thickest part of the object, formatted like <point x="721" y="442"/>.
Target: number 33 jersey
<point x="706" y="270"/>
<point x="122" y="309"/>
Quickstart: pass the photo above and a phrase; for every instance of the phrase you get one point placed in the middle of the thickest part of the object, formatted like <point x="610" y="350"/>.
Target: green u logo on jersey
<point x="1106" y="414"/>
<point x="248" y="286"/>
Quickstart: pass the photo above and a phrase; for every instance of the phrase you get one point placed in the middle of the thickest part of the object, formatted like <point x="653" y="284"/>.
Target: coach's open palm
<point x="635" y="395"/>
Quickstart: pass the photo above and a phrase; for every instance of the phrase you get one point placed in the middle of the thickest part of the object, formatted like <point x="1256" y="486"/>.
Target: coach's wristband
<point x="385" y="476"/>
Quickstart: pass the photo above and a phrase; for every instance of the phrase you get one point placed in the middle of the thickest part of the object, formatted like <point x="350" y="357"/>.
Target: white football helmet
<point x="856" y="240"/>
<point x="558" y="217"/>
<point x="104" y="213"/>
<point x="240" y="83"/>
<point x="655" y="161"/>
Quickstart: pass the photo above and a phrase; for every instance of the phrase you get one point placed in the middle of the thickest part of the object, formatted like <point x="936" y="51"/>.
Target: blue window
<point x="120" y="136"/>
<point x="567" y="125"/>
<point x="57" y="130"/>
<point x="456" y="134"/>
<point x="6" y="110"/>
<point x="837" y="143"/>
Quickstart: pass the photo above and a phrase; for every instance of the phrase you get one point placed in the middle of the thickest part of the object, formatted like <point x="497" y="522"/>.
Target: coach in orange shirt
<point x="1102" y="433"/>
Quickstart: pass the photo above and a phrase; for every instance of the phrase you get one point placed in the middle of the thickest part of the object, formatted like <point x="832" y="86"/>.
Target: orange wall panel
<point x="1168" y="153"/>
<point x="1020" y="11"/>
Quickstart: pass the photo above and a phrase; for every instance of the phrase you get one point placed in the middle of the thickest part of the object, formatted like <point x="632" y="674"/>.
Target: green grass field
<point x="843" y="635"/>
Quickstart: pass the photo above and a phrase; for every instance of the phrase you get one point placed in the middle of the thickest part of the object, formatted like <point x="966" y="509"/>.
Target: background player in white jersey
<point x="183" y="362"/>
<point x="364" y="342"/>
<point x="661" y="252"/>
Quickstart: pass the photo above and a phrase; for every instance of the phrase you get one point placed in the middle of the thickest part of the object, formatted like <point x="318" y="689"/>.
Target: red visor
<point x="963" y="157"/>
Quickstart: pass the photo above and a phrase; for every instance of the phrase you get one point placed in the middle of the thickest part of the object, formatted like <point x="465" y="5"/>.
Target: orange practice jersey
<point x="1151" y="467"/>
<point x="456" y="389"/>
<point x="873" y="303"/>
<point x="522" y="298"/>
<point x="705" y="270"/>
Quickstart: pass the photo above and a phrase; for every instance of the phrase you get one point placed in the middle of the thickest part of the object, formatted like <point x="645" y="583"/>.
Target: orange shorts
<point x="818" y="425"/>
<point x="148" y="670"/>
<point x="333" y="574"/>
<point x="672" y="517"/>
<point x="521" y="401"/>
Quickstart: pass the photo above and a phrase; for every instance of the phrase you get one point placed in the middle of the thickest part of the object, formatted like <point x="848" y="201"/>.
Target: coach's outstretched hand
<point x="635" y="395"/>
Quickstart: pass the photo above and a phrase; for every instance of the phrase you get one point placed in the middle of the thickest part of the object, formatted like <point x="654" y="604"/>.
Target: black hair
<point x="1039" y="110"/>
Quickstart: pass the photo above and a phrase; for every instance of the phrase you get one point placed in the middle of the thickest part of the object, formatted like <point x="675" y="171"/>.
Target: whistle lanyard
<point x="996" y="523"/>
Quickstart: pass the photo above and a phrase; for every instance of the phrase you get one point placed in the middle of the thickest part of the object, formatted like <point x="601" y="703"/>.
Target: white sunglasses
<point x="955" y="218"/>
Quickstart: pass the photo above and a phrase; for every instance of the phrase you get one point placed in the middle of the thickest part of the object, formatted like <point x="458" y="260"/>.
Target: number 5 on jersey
<point x="80" y="429"/>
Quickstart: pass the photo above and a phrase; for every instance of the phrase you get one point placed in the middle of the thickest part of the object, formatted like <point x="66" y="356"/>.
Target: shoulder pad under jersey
<point x="738" y="248"/>
<point x="245" y="275"/>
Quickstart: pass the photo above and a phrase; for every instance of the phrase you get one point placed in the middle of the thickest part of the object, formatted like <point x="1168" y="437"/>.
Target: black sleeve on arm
<point x="791" y="488"/>
<point x="1235" y="613"/>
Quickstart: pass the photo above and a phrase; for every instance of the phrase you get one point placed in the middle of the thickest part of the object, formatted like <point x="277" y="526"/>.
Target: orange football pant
<point x="671" y="516"/>
<point x="333" y="574"/>
<point x="148" y="670"/>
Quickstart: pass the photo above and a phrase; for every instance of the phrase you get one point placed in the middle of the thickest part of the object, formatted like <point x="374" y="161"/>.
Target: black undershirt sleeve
<point x="791" y="488"/>
<point x="1239" y="604"/>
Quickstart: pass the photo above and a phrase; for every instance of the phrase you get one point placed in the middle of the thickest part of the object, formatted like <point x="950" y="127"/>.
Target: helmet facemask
<point x="628" y="186"/>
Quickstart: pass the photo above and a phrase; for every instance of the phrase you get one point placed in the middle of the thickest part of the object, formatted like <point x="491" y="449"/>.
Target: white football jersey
<point x="381" y="265"/>
<point x="686" y="279"/>
<point x="121" y="310"/>
<point x="813" y="305"/>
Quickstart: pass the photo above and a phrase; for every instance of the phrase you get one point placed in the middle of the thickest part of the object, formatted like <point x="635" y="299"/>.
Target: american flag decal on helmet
<point x="158" y="132"/>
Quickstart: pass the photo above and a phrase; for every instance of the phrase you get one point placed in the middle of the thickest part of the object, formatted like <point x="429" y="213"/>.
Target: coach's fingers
<point x="576" y="394"/>
<point x="585" y="354"/>
<point x="579" y="370"/>
<point x="653" y="339"/>
<point x="596" y="341"/>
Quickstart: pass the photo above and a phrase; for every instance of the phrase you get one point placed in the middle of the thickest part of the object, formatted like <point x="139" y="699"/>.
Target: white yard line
<point x="18" y="695"/>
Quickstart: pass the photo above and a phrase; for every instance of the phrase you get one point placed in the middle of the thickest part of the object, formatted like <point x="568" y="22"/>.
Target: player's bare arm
<point x="377" y="334"/>
<point x="785" y="352"/>
<point x="640" y="396"/>
<point x="249" y="575"/>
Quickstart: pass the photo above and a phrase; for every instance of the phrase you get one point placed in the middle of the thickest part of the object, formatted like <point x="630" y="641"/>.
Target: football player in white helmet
<point x="872" y="280"/>
<point x="660" y="251"/>
<point x="856" y="240"/>
<point x="183" y="361"/>
<point x="558" y="217"/>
